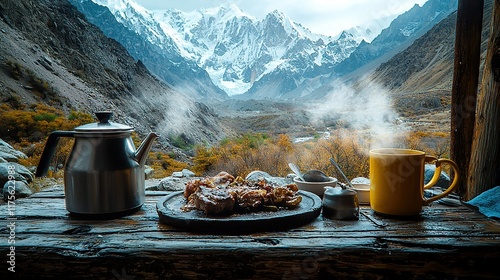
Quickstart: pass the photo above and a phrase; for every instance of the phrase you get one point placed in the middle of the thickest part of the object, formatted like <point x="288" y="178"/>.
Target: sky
<point x="326" y="17"/>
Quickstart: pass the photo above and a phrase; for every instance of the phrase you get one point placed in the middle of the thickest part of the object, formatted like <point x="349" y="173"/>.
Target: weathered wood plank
<point x="484" y="168"/>
<point x="386" y="261"/>
<point x="465" y="84"/>
<point x="444" y="242"/>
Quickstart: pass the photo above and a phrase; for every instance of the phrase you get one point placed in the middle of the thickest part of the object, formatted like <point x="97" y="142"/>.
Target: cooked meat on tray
<point x="223" y="193"/>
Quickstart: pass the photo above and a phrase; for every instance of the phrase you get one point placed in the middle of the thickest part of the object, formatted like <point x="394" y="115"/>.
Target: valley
<point x="399" y="98"/>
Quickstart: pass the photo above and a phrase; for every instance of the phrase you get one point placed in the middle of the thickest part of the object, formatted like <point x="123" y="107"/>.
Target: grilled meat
<point x="211" y="200"/>
<point x="224" y="193"/>
<point x="221" y="179"/>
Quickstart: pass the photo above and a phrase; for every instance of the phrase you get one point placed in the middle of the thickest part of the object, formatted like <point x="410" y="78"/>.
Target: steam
<point x="178" y="114"/>
<point x="367" y="110"/>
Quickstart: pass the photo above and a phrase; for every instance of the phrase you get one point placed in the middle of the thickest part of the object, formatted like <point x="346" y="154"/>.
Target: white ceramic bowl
<point x="363" y="191"/>
<point x="315" y="187"/>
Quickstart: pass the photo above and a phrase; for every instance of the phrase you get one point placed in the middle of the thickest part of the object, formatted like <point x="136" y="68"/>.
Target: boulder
<point x="187" y="173"/>
<point x="258" y="175"/>
<point x="8" y="153"/>
<point x="177" y="174"/>
<point x="171" y="184"/>
<point x="148" y="172"/>
<point x="20" y="190"/>
<point x="17" y="172"/>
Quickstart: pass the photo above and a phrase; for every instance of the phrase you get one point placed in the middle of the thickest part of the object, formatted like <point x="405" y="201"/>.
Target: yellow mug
<point x="397" y="180"/>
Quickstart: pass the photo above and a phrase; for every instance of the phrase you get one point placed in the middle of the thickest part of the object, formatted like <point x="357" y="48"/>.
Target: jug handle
<point x="49" y="151"/>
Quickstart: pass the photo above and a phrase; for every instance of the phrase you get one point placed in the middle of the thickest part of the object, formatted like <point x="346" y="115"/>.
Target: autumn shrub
<point x="164" y="165"/>
<point x="243" y="154"/>
<point x="350" y="149"/>
<point x="28" y="130"/>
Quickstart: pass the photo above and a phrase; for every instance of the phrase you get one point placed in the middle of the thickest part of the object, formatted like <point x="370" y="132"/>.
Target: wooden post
<point x="465" y="82"/>
<point x="484" y="168"/>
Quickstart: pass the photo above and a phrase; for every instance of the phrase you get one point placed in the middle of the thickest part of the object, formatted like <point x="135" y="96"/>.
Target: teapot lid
<point x="104" y="125"/>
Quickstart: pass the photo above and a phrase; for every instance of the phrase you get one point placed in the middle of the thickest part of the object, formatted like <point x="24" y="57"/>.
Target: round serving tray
<point x="169" y="210"/>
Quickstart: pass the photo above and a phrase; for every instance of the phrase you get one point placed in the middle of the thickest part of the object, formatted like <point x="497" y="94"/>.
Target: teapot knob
<point x="104" y="116"/>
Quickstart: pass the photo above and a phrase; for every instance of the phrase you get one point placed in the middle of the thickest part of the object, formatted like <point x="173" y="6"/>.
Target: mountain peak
<point x="225" y="11"/>
<point x="121" y="5"/>
<point x="276" y="15"/>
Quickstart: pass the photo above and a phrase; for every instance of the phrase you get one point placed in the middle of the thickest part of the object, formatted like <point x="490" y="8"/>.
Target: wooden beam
<point x="484" y="168"/>
<point x="465" y="82"/>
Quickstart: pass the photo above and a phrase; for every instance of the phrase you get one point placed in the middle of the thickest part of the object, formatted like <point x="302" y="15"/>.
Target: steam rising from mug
<point x="368" y="110"/>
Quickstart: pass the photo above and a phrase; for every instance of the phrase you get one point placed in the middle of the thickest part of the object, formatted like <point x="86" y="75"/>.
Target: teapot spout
<point x="143" y="150"/>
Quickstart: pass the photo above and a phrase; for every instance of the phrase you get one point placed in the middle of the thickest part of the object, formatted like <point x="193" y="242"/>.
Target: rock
<point x="177" y="174"/>
<point x="258" y="175"/>
<point x="17" y="171"/>
<point x="444" y="179"/>
<point x="148" y="172"/>
<point x="8" y="157"/>
<point x="152" y="184"/>
<point x="10" y="154"/>
<point x="20" y="190"/>
<point x="187" y="173"/>
<point x="171" y="184"/>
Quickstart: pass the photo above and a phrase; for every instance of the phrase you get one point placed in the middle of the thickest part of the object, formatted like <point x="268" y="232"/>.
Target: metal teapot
<point x="104" y="174"/>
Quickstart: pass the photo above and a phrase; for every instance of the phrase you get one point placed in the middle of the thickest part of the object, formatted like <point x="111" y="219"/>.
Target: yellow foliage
<point x="350" y="150"/>
<point x="163" y="164"/>
<point x="28" y="130"/>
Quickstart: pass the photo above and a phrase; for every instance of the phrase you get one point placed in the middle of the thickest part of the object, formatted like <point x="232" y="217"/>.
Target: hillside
<point x="420" y="77"/>
<point x="428" y="63"/>
<point x="78" y="68"/>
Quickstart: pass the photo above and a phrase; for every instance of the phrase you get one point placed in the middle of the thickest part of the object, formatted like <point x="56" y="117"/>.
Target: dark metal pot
<point x="104" y="173"/>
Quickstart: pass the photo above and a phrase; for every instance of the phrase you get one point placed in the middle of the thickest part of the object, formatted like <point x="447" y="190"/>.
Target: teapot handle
<point x="49" y="151"/>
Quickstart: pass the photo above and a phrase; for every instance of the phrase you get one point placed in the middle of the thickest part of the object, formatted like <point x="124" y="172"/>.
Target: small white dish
<point x="315" y="187"/>
<point x="363" y="191"/>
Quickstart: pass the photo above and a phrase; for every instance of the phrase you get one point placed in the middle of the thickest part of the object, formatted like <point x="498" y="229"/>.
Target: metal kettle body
<point x="104" y="174"/>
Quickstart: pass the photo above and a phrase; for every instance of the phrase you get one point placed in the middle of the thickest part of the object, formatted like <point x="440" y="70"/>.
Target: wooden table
<point x="443" y="243"/>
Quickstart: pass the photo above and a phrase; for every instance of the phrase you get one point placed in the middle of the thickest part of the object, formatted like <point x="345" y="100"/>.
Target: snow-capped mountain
<point x="135" y="28"/>
<point x="249" y="58"/>
<point x="237" y="50"/>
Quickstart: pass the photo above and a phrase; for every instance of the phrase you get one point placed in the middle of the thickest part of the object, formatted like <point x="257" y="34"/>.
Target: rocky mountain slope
<point x="428" y="63"/>
<point x="419" y="78"/>
<point x="402" y="32"/>
<point x="82" y="69"/>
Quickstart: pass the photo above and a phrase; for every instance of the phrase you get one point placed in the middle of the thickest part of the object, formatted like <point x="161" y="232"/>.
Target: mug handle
<point x="436" y="175"/>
